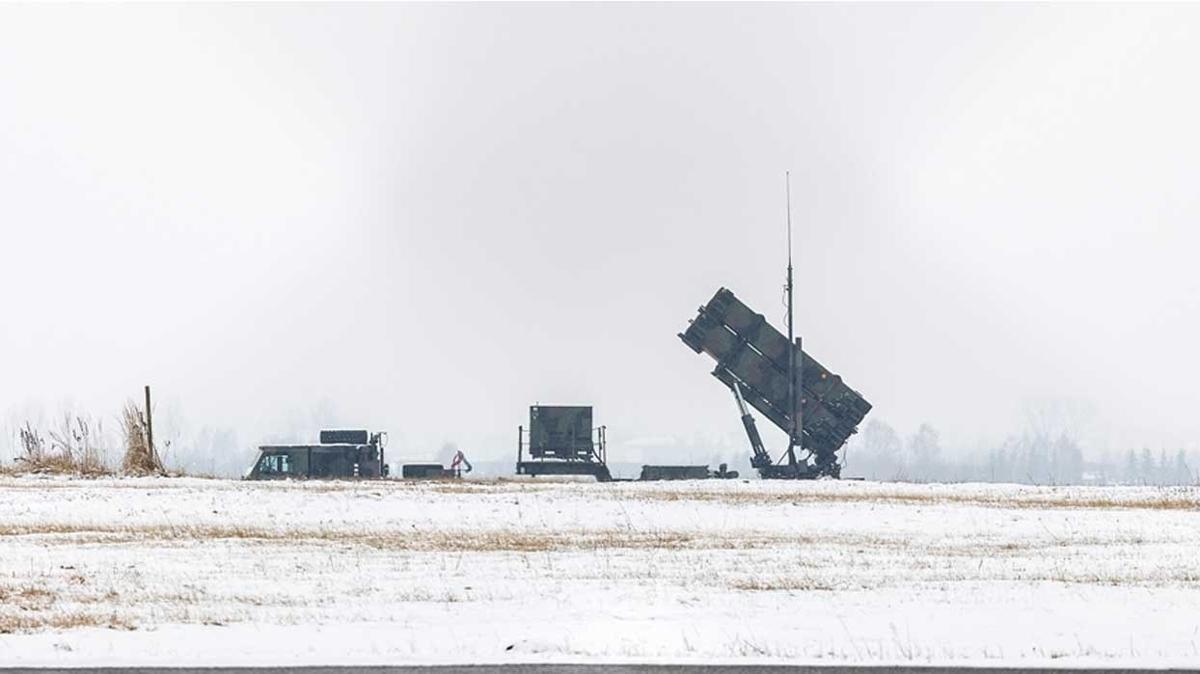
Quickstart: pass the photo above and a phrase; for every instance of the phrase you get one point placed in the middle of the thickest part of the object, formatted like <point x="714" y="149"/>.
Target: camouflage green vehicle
<point x="562" y="441"/>
<point x="753" y="359"/>
<point x="339" y="455"/>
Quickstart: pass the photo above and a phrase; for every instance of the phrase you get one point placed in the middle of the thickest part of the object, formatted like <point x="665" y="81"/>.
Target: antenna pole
<point x="793" y="430"/>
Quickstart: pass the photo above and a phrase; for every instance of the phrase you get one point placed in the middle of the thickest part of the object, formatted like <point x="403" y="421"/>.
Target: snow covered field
<point x="188" y="571"/>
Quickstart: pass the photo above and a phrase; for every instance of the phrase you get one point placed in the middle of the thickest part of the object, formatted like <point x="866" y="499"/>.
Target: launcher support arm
<point x="760" y="458"/>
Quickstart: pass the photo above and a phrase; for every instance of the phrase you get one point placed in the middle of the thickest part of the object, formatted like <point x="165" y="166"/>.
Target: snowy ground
<point x="193" y="572"/>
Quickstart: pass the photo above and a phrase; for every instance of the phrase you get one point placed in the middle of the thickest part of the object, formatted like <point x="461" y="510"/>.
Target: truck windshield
<point x="273" y="464"/>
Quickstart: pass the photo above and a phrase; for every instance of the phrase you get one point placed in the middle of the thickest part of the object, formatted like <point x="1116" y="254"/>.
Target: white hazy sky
<point x="426" y="218"/>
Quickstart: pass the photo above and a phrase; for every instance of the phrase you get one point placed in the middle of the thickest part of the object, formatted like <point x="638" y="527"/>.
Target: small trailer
<point x="656" y="473"/>
<point x="436" y="471"/>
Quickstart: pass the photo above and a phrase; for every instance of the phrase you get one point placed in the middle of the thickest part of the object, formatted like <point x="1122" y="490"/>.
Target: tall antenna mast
<point x="793" y="427"/>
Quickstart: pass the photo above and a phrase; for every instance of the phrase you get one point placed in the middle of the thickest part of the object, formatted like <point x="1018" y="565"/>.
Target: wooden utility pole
<point x="150" y="430"/>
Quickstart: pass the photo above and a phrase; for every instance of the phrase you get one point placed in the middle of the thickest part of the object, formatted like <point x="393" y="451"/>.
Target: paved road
<point x="588" y="669"/>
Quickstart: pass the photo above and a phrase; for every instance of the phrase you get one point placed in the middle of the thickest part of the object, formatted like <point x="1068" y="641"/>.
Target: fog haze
<point x="426" y="218"/>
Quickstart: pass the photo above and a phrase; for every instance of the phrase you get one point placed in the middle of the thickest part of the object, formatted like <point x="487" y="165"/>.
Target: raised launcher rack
<point x="752" y="360"/>
<point x="561" y="441"/>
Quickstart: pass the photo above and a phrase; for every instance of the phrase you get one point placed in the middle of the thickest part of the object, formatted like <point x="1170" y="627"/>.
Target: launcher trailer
<point x="815" y="407"/>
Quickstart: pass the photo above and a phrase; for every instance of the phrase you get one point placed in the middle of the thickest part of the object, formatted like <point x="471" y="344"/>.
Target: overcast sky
<point x="426" y="218"/>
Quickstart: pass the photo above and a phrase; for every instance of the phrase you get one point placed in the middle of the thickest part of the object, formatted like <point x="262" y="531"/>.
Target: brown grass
<point x="498" y="486"/>
<point x="36" y="622"/>
<point x="140" y="458"/>
<point x="1163" y="499"/>
<point x="440" y="541"/>
<point x="1183" y="498"/>
<point x="27" y="598"/>
<point x="74" y="448"/>
<point x="1180" y="501"/>
<point x="30" y="608"/>
<point x="780" y="584"/>
<point x="542" y="541"/>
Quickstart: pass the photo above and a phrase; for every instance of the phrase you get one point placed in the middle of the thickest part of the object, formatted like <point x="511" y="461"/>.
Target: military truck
<point x="345" y="454"/>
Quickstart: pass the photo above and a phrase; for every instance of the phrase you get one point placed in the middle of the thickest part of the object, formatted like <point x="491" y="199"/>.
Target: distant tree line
<point x="1036" y="456"/>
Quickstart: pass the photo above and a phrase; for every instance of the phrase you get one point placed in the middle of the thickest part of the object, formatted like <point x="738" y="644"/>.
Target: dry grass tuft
<point x="140" y="457"/>
<point x="74" y="448"/>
